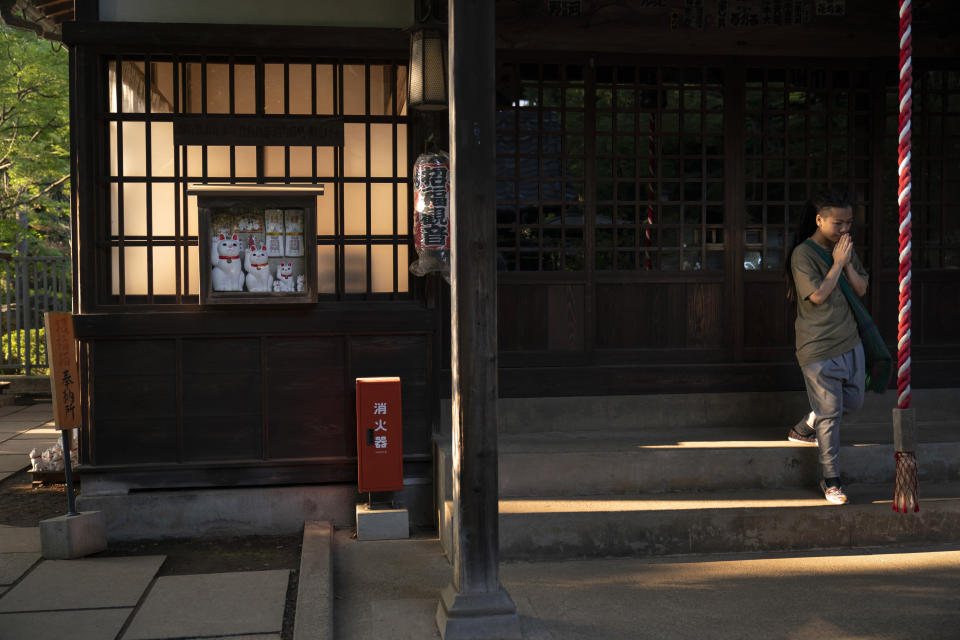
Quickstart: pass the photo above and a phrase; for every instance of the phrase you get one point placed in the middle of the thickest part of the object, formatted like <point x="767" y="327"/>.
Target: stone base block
<point x="477" y="616"/>
<point x="382" y="524"/>
<point x="68" y="537"/>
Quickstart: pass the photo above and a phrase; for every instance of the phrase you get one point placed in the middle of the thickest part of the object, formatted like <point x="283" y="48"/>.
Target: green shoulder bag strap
<point x="879" y="364"/>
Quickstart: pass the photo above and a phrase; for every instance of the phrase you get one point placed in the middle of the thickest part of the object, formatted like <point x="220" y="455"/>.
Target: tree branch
<point x="17" y="202"/>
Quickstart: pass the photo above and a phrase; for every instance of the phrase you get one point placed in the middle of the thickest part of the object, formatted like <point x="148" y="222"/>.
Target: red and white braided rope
<point x="903" y="202"/>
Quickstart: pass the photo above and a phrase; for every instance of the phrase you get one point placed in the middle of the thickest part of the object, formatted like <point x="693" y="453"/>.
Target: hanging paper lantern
<point x="431" y="214"/>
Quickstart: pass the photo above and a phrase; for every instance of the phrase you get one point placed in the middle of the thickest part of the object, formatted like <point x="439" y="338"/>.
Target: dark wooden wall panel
<point x="135" y="401"/>
<point x="304" y="354"/>
<point x="768" y="317"/>
<point x="705" y="314"/>
<point x="887" y="318"/>
<point x="940" y="312"/>
<point x="221" y="394"/>
<point x="636" y="316"/>
<point x="136" y="396"/>
<point x="522" y="313"/>
<point x="409" y="358"/>
<point x="134" y="356"/>
<point x="305" y="397"/>
<point x="222" y="438"/>
<point x="224" y="355"/>
<point x="135" y="441"/>
<point x="565" y="317"/>
<point x="221" y="397"/>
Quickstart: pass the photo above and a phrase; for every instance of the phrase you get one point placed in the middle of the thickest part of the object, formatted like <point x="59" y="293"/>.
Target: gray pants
<point x="834" y="387"/>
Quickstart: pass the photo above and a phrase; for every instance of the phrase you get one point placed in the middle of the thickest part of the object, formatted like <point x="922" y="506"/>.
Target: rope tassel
<point x="906" y="489"/>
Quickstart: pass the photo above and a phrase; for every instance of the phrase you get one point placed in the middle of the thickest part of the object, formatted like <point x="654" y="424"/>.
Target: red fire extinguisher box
<point x="379" y="435"/>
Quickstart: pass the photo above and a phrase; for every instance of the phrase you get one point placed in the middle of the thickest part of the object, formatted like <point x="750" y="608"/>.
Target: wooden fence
<point x="29" y="287"/>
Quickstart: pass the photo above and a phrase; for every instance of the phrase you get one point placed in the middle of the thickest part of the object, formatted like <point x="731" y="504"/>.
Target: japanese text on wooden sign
<point x="64" y="380"/>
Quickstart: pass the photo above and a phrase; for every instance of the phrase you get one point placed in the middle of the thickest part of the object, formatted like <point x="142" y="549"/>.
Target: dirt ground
<point x="21" y="505"/>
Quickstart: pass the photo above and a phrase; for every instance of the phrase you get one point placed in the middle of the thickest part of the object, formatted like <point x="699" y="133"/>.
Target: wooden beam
<point x="230" y="38"/>
<point x="44" y="5"/>
<point x="474" y="605"/>
<point x="60" y="16"/>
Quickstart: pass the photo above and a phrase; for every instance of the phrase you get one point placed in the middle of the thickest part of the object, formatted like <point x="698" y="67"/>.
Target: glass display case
<point x="257" y="243"/>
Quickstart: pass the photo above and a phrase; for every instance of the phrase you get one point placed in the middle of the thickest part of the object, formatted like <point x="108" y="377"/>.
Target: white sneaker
<point x="834" y="495"/>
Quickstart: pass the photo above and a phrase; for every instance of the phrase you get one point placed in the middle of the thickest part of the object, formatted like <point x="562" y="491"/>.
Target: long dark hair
<point x="807" y="226"/>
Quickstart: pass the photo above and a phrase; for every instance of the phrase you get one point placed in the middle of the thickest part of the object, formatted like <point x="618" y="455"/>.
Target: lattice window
<point x="363" y="220"/>
<point x="540" y="167"/>
<point x="659" y="168"/>
<point x="806" y="130"/>
<point x="935" y="171"/>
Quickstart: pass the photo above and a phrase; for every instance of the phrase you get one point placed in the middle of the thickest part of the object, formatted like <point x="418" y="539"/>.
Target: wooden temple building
<point x="651" y="158"/>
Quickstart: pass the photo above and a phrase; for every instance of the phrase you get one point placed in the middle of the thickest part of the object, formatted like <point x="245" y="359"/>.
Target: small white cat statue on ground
<point x="227" y="269"/>
<point x="284" y="281"/>
<point x="257" y="266"/>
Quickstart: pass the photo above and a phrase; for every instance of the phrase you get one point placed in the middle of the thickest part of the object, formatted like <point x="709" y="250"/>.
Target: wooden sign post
<point x="64" y="386"/>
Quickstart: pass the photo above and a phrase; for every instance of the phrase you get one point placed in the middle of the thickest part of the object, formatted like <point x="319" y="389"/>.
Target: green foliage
<point x="13" y="346"/>
<point x="34" y="142"/>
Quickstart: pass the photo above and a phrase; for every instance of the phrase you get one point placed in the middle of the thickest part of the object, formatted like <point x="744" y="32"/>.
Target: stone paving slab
<point x="10" y="410"/>
<point x="258" y="636"/>
<point x="26" y="424"/>
<point x="107" y="582"/>
<point x="13" y="462"/>
<point x="14" y="565"/>
<point x="21" y="447"/>
<point x="47" y="433"/>
<point x="19" y="539"/>
<point x="418" y="615"/>
<point x="36" y="407"/>
<point x="96" y="624"/>
<point x="195" y="606"/>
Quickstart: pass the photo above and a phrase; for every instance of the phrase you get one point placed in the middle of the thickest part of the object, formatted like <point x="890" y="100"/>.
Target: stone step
<point x="623" y="463"/>
<point x="662" y="411"/>
<point x="718" y="522"/>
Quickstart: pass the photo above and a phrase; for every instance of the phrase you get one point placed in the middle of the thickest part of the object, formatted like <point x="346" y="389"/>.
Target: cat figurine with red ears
<point x="227" y="267"/>
<point x="284" y="281"/>
<point x="257" y="266"/>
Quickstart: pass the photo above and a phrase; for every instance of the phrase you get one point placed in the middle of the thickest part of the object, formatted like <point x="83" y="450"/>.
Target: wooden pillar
<point x="474" y="605"/>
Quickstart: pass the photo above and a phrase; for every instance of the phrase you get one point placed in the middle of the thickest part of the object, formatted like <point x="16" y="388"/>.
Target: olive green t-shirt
<point x="823" y="330"/>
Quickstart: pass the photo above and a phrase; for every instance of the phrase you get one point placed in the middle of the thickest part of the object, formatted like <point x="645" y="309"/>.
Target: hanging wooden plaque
<point x="64" y="379"/>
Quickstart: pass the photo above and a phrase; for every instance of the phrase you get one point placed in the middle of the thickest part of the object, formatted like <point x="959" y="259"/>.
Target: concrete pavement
<point x="391" y="590"/>
<point x="23" y="428"/>
<point x="122" y="597"/>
